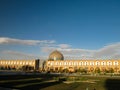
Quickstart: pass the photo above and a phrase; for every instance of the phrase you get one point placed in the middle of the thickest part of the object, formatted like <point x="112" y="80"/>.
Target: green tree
<point x="65" y="70"/>
<point x="27" y="68"/>
<point x="82" y="70"/>
<point x="111" y="70"/>
<point x="97" y="70"/>
<point x="60" y="70"/>
<point x="116" y="69"/>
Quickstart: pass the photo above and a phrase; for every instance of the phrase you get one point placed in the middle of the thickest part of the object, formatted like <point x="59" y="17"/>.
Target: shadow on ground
<point x="31" y="85"/>
<point x="39" y="86"/>
<point x="112" y="84"/>
<point x="34" y="84"/>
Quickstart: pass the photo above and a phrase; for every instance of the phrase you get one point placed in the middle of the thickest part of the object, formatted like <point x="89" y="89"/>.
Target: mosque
<point x="56" y="63"/>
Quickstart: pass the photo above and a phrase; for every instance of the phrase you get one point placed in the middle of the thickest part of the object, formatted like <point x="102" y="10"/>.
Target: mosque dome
<point x="56" y="55"/>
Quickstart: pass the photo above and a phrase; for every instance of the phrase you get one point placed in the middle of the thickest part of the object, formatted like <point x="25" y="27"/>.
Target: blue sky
<point x="84" y="27"/>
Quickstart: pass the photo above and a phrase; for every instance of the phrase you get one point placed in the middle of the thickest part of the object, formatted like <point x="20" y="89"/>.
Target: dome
<point x="56" y="55"/>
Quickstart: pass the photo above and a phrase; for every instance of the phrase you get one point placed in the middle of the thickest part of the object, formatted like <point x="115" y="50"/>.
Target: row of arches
<point x="85" y="63"/>
<point x="17" y="62"/>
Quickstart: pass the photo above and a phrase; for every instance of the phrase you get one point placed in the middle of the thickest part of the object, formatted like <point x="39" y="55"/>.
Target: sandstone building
<point x="19" y="64"/>
<point x="56" y="62"/>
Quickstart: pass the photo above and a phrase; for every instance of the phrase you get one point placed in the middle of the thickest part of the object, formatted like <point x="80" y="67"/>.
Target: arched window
<point x="1" y="62"/>
<point x="65" y="63"/>
<point x="26" y="62"/>
<point x="14" y="62"/>
<point x="6" y="62"/>
<point x="60" y="63"/>
<point x="33" y="63"/>
<point x="109" y="63"/>
<point x="81" y="63"/>
<point x="9" y="62"/>
<point x="51" y="63"/>
<point x="23" y="63"/>
<point x="30" y="63"/>
<point x="85" y="63"/>
<point x="92" y="63"/>
<point x="47" y="63"/>
<point x="75" y="63"/>
<point x="69" y="63"/>
<point x="72" y="63"/>
<point x="20" y="63"/>
<point x="115" y="63"/>
<point x="55" y="63"/>
<point x="17" y="62"/>
<point x="103" y="63"/>
<point x="97" y="63"/>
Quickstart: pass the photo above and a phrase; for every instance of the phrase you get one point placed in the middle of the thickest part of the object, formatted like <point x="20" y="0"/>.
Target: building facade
<point x="19" y="64"/>
<point x="56" y="63"/>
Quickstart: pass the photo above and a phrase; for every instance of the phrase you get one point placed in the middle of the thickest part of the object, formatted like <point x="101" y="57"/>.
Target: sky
<point x="85" y="29"/>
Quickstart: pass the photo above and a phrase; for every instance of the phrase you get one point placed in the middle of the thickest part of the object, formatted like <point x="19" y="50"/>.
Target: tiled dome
<point x="56" y="55"/>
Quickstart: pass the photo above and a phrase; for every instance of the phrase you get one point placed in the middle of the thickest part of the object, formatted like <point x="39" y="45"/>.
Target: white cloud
<point x="48" y="49"/>
<point x="111" y="51"/>
<point x="9" y="54"/>
<point x="63" y="46"/>
<point x="78" y="53"/>
<point x="6" y="40"/>
<point x="108" y="50"/>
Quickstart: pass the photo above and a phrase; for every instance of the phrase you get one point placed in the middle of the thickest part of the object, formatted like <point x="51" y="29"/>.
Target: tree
<point x="51" y="70"/>
<point x="27" y="68"/>
<point x="9" y="68"/>
<point x="60" y="70"/>
<point x="91" y="69"/>
<point x="97" y="70"/>
<point x="104" y="70"/>
<point x="116" y="69"/>
<point x="56" y="69"/>
<point x="82" y="70"/>
<point x="111" y="70"/>
<point x="66" y="70"/>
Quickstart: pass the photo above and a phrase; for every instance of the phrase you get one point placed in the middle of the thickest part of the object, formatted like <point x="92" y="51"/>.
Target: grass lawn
<point x="48" y="82"/>
<point x="101" y="83"/>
